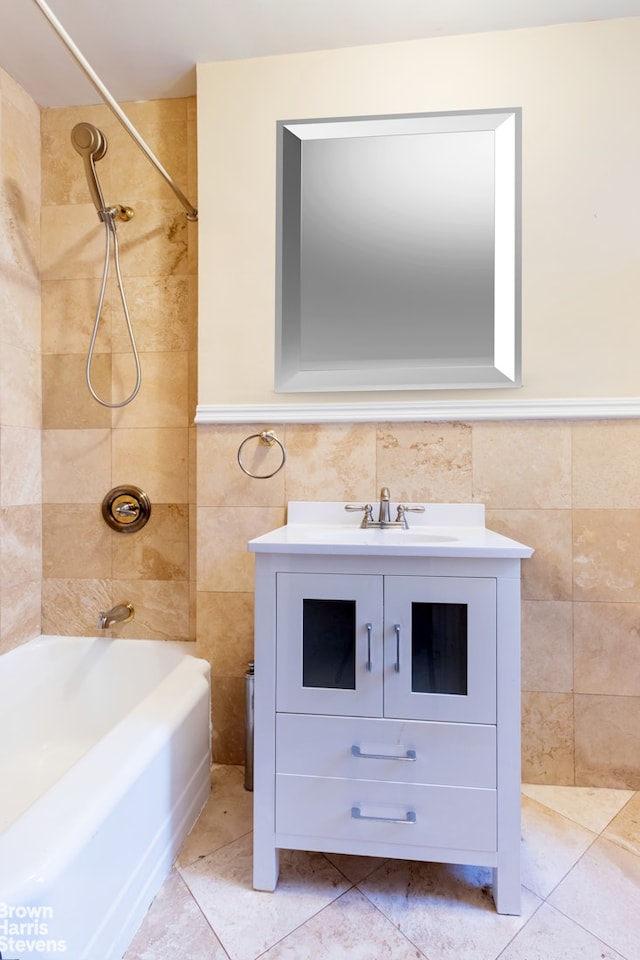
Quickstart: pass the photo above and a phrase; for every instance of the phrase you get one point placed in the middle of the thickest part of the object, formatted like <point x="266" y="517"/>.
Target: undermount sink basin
<point x="376" y="535"/>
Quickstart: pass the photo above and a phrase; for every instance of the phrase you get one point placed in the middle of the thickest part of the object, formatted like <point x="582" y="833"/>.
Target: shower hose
<point x="108" y="218"/>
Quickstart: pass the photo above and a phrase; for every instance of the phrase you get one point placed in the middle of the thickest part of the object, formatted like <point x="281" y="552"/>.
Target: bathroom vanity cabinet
<point x="387" y="695"/>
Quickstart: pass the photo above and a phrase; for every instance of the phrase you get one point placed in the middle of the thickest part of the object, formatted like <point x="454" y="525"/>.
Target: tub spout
<point x="121" y="613"/>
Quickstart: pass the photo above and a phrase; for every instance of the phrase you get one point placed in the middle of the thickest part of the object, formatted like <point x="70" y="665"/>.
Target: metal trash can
<point x="248" y="764"/>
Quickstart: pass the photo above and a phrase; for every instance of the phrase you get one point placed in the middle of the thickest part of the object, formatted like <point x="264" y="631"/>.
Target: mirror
<point x="398" y="253"/>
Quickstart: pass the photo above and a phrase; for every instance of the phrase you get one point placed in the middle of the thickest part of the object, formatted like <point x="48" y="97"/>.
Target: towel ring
<point x="268" y="438"/>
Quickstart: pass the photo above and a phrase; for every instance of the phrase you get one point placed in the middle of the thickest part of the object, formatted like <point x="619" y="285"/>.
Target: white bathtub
<point x="104" y="768"/>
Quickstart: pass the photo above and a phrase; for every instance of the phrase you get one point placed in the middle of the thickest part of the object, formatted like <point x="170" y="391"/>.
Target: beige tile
<point x="607" y="652"/>
<point x="63" y="176"/>
<point x="625" y="828"/>
<point x="445" y="910"/>
<point x="70" y="607"/>
<point x="607" y="731"/>
<point x="228" y="815"/>
<point x="225" y="631"/>
<point x="20" y="388"/>
<point x="192" y="242"/>
<point x="551" y="846"/>
<point x="75" y="542"/>
<point x="192" y="171"/>
<point x="69" y="310"/>
<point x="193" y="312"/>
<point x="155" y="242"/>
<point x="193" y="464"/>
<point x="221" y="482"/>
<point x="175" y="927"/>
<point x="191" y="105"/>
<point x="425" y="461"/>
<point x="547" y="738"/>
<point x="20" y="544"/>
<point x="605" y="464"/>
<point x="159" y="551"/>
<point x="547" y="645"/>
<point x="20" y="613"/>
<point x="353" y="867"/>
<point x="331" y="461"/>
<point x="21" y="472"/>
<point x="224" y="563"/>
<point x="132" y="177"/>
<point x="551" y="936"/>
<point x="20" y="240"/>
<point x="248" y="921"/>
<point x="192" y="392"/>
<point x="591" y="807"/>
<point x="157" y="460"/>
<point x="525" y="464"/>
<point x="66" y="401"/>
<point x="348" y="927"/>
<point x="161" y="609"/>
<point x="73" y="242"/>
<point x="20" y="144"/>
<point x="602" y="894"/>
<point x="159" y="311"/>
<point x="19" y="317"/>
<point x="547" y="575"/>
<point x="227" y="715"/>
<point x="90" y="453"/>
<point x="606" y="559"/>
<point x="163" y="397"/>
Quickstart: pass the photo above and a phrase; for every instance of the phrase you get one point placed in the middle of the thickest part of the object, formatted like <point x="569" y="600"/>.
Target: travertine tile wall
<point x="20" y="398"/>
<point x="571" y="490"/>
<point x="87" y="448"/>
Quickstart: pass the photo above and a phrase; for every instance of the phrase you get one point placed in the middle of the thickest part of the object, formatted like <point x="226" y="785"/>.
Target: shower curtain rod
<point x="192" y="212"/>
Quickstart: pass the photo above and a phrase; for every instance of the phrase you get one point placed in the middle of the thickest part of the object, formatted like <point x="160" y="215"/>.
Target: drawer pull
<point x="408" y="755"/>
<point x="369" y="628"/>
<point x="397" y="665"/>
<point x="356" y="814"/>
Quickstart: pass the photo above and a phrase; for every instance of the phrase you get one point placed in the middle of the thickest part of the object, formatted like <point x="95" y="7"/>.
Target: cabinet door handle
<point x="408" y="755"/>
<point x="369" y="629"/>
<point x="397" y="664"/>
<point x="356" y="814"/>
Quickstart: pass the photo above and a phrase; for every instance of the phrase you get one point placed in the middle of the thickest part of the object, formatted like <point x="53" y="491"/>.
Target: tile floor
<point x="581" y="892"/>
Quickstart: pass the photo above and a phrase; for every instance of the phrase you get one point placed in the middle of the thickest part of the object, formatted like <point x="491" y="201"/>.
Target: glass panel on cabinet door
<point x="329" y="643"/>
<point x="439" y="648"/>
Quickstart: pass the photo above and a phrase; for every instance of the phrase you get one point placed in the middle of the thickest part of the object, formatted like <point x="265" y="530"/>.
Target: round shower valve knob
<point x="126" y="509"/>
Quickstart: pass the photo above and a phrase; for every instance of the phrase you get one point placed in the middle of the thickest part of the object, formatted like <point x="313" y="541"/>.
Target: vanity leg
<point x="266" y="866"/>
<point x="506" y="887"/>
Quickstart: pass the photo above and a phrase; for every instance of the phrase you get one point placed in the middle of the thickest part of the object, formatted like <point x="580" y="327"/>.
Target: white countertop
<point x="443" y="530"/>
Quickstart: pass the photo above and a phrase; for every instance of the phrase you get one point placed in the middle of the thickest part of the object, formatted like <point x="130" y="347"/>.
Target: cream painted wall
<point x="579" y="89"/>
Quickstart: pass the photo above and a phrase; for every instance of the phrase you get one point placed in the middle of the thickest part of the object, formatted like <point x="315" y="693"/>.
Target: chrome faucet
<point x="121" y="613"/>
<point x="384" y="516"/>
<point x="384" y="520"/>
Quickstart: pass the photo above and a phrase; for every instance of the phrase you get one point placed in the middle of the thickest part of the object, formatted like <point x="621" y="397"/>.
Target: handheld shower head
<point x="91" y="144"/>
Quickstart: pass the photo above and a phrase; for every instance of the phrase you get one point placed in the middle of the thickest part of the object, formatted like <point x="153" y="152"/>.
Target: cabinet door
<point x="329" y="644"/>
<point x="440" y="648"/>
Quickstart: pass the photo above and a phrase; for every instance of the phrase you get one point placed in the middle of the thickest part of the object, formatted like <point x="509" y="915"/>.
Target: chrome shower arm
<point x="191" y="211"/>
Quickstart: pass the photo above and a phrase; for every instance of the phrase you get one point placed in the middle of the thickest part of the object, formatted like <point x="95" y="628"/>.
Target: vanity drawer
<point x="456" y="818"/>
<point x="406" y="751"/>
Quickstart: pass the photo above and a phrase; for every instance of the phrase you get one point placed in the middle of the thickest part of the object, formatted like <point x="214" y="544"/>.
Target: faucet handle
<point x="366" y="508"/>
<point x="403" y="510"/>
